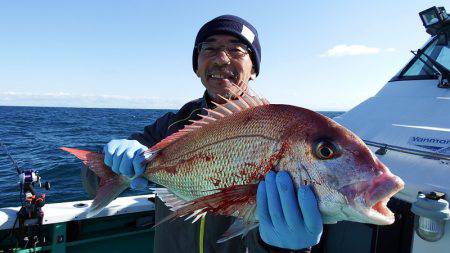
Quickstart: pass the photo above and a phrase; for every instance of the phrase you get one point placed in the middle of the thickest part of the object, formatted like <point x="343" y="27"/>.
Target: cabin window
<point x="418" y="68"/>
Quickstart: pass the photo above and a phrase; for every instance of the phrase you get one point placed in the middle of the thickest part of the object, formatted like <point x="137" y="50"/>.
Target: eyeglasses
<point x="231" y="49"/>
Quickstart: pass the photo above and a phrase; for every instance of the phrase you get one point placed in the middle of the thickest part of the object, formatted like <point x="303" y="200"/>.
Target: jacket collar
<point x="206" y="101"/>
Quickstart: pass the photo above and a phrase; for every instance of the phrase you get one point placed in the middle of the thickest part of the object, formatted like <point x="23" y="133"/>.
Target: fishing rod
<point x="27" y="177"/>
<point x="10" y="157"/>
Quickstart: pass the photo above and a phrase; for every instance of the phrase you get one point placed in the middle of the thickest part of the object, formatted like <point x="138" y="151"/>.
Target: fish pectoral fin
<point x="237" y="200"/>
<point x="239" y="227"/>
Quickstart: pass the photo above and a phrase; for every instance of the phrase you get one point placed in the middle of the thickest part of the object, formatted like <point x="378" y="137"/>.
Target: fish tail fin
<point x="111" y="184"/>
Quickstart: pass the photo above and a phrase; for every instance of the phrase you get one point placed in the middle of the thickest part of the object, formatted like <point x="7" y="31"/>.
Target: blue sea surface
<point x="33" y="136"/>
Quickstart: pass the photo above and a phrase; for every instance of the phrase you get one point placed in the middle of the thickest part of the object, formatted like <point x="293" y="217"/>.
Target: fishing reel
<point x="31" y="212"/>
<point x="30" y="177"/>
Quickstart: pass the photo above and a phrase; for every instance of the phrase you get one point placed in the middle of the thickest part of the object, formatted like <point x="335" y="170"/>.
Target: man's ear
<point x="253" y="73"/>
<point x="196" y="72"/>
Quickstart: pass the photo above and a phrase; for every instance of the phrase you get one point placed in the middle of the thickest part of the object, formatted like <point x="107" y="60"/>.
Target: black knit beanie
<point x="232" y="25"/>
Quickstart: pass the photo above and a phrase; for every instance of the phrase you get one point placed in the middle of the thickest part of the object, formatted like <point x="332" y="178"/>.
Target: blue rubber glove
<point x="125" y="157"/>
<point x="287" y="220"/>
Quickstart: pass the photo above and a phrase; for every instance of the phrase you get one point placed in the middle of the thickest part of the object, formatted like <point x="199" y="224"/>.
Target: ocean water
<point x="33" y="136"/>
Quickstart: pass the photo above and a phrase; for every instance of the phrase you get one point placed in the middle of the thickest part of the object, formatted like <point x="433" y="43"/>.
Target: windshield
<point x="420" y="68"/>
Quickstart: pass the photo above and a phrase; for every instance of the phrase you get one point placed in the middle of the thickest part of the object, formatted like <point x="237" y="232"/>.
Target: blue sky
<point x="322" y="55"/>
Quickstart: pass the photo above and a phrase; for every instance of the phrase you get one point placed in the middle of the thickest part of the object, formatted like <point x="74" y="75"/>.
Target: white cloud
<point x="350" y="50"/>
<point x="391" y="49"/>
<point x="62" y="99"/>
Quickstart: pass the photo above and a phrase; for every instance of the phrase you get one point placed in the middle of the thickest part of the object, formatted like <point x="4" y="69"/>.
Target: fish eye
<point x="325" y="150"/>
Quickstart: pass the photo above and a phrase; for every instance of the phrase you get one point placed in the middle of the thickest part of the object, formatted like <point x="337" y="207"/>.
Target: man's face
<point x="221" y="71"/>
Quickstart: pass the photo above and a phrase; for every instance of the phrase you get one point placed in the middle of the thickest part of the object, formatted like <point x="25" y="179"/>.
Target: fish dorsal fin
<point x="241" y="103"/>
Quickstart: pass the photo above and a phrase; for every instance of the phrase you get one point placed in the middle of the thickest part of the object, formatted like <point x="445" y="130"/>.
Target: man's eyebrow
<point x="210" y="40"/>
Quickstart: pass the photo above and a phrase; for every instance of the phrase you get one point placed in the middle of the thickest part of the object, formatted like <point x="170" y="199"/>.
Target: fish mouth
<point x="381" y="189"/>
<point x="368" y="199"/>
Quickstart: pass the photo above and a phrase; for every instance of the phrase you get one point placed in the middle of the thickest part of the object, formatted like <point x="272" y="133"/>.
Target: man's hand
<point x="125" y="157"/>
<point x="287" y="220"/>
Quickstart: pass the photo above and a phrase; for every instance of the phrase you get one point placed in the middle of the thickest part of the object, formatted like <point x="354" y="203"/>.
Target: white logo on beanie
<point x="248" y="34"/>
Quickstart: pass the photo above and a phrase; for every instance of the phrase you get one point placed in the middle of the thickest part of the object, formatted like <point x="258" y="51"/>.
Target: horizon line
<point x="123" y="108"/>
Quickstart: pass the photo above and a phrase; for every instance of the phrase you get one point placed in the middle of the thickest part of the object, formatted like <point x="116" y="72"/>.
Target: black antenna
<point x="11" y="158"/>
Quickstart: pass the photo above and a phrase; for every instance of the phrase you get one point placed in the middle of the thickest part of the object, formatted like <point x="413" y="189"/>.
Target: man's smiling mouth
<point x="222" y="75"/>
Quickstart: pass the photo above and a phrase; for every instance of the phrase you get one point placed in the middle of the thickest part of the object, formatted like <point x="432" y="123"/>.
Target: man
<point x="226" y="54"/>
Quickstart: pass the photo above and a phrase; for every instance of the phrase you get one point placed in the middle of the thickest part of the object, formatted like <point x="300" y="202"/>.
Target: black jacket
<point x="183" y="236"/>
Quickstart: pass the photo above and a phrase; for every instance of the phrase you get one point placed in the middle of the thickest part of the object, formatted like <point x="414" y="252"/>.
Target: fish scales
<point x="232" y="151"/>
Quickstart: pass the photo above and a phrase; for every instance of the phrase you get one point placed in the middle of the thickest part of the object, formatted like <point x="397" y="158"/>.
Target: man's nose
<point x="221" y="58"/>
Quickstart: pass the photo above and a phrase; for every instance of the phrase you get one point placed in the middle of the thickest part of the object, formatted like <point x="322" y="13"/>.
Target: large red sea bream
<point x="214" y="165"/>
